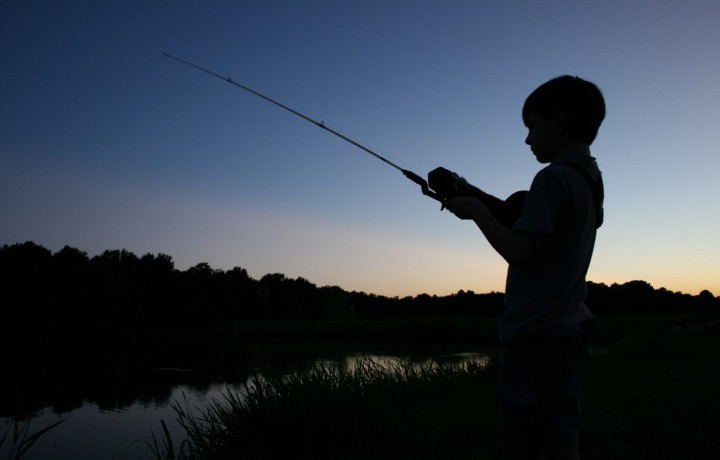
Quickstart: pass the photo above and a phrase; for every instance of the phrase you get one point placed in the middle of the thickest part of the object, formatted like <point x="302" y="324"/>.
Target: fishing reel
<point x="443" y="184"/>
<point x="447" y="184"/>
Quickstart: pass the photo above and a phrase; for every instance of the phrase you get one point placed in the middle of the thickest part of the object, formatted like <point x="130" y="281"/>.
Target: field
<point x="651" y="394"/>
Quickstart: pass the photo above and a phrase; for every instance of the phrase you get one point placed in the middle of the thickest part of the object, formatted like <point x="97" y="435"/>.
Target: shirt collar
<point x="579" y="155"/>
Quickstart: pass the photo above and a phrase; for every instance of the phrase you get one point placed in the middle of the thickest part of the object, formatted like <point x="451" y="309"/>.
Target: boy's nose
<point x="527" y="139"/>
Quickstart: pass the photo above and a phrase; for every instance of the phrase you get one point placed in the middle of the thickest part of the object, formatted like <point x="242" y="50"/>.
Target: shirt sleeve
<point x="542" y="204"/>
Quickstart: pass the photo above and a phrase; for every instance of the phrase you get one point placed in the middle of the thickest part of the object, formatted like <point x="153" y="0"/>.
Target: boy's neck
<point x="572" y="149"/>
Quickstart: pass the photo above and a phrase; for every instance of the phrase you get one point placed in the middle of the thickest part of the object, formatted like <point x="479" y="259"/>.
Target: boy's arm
<point x="517" y="248"/>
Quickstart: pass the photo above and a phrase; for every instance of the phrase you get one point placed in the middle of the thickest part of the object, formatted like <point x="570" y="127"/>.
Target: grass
<point x="377" y="410"/>
<point x="651" y="394"/>
<point x="654" y="395"/>
<point x="20" y="439"/>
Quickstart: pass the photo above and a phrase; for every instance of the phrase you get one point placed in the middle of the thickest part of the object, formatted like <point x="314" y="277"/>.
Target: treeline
<point x="116" y="294"/>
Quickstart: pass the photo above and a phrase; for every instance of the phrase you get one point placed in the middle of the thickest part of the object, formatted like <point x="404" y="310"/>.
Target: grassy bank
<point x="651" y="394"/>
<point x="654" y="394"/>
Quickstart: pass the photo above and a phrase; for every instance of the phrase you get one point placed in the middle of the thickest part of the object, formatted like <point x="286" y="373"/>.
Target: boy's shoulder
<point x="587" y="168"/>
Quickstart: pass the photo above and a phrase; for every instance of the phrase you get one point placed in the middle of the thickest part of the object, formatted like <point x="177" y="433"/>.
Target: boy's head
<point x="578" y="100"/>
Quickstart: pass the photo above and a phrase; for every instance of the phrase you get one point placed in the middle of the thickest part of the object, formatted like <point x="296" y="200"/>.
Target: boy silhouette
<point x="545" y="328"/>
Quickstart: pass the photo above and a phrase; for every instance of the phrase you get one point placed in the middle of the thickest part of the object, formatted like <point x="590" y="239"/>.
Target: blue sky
<point x="105" y="144"/>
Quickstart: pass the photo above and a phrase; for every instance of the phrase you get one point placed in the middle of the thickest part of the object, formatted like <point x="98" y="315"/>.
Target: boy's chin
<point x="541" y="158"/>
<point x="544" y="157"/>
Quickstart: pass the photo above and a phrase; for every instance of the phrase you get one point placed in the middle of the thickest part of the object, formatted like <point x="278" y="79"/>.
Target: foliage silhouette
<point x="69" y="296"/>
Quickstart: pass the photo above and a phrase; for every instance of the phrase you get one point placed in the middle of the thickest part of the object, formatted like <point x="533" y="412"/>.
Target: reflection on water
<point x="119" y="429"/>
<point x="93" y="432"/>
<point x="391" y="363"/>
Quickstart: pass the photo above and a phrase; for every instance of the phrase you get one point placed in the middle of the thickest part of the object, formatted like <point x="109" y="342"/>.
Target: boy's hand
<point x="465" y="207"/>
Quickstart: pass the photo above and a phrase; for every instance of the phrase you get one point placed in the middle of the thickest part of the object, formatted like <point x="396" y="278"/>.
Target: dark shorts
<point x="539" y="390"/>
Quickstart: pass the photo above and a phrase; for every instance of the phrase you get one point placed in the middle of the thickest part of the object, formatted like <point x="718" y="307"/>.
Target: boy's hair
<point x="579" y="100"/>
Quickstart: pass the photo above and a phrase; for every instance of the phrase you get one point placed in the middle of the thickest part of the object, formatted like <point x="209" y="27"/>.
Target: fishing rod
<point x="441" y="185"/>
<point x="409" y="174"/>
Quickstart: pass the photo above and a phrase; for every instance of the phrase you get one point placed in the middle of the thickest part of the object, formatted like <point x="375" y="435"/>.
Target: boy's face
<point x="545" y="136"/>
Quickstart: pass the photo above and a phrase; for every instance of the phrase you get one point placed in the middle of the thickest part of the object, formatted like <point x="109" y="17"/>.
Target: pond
<point x="119" y="423"/>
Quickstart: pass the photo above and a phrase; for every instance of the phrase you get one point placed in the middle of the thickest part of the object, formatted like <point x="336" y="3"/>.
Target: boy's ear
<point x="561" y="122"/>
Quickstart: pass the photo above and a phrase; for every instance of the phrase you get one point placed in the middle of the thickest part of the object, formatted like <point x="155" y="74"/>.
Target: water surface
<point x="119" y="427"/>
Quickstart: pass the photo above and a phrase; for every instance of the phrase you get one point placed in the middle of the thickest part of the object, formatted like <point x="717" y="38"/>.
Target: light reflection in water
<point x="391" y="363"/>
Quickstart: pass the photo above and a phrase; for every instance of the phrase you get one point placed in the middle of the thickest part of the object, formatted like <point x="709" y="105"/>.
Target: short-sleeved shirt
<point x="547" y="297"/>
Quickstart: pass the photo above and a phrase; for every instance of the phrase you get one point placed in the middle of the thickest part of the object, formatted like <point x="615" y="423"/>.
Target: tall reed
<point x="372" y="409"/>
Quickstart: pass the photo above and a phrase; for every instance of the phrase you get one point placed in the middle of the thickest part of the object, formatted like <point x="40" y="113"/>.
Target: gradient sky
<point x="105" y="144"/>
